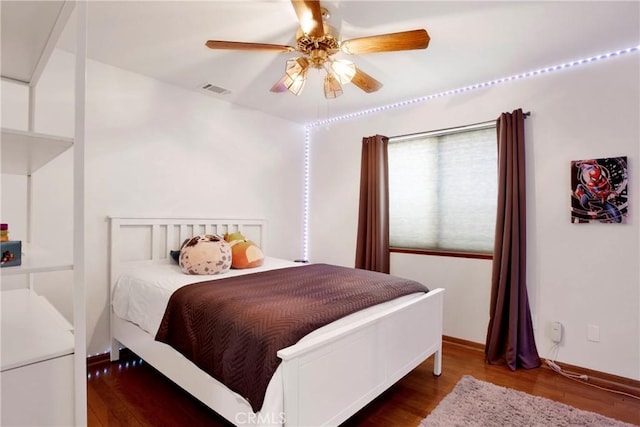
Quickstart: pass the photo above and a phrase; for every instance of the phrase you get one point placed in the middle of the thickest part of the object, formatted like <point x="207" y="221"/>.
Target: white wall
<point x="579" y="275"/>
<point x="156" y="150"/>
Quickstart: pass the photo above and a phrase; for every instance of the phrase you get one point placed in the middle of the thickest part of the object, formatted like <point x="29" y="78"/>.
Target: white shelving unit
<point x="43" y="363"/>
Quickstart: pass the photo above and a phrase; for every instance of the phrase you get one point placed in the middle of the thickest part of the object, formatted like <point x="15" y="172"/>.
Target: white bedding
<point x="142" y="292"/>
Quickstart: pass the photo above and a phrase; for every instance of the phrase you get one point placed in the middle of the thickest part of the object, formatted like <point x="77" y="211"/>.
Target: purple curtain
<point x="510" y="338"/>
<point x="372" y="247"/>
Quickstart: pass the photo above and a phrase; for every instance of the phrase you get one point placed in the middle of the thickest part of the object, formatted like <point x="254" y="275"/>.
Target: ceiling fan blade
<point x="309" y="16"/>
<point x="406" y="40"/>
<point x="365" y="82"/>
<point x="220" y="44"/>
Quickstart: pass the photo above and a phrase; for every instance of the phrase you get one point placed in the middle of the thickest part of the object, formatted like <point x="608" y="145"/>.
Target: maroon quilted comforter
<point x="232" y="328"/>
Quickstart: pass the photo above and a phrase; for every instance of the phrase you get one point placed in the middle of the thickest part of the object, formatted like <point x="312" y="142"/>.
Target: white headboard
<point x="151" y="239"/>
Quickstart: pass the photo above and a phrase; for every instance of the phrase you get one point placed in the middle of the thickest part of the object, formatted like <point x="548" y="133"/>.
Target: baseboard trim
<point x="464" y="343"/>
<point x="600" y="379"/>
<point x="98" y="359"/>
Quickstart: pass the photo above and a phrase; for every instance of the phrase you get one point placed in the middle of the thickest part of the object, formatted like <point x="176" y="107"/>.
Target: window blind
<point x="443" y="190"/>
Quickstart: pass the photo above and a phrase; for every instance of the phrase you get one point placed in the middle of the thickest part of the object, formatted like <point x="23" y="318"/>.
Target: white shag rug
<point x="477" y="403"/>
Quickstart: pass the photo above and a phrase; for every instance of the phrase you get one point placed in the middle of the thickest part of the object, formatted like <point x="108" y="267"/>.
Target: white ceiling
<point x="471" y="42"/>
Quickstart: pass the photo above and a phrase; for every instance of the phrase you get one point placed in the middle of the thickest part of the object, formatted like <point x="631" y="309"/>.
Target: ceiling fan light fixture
<point x="332" y="88"/>
<point x="296" y="66"/>
<point x="296" y="85"/>
<point x="296" y="74"/>
<point x="344" y="70"/>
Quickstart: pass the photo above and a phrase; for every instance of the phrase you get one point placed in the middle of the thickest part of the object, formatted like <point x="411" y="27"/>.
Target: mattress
<point x="142" y="291"/>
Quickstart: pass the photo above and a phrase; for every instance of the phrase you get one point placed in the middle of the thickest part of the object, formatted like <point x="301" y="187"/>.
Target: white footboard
<point x="328" y="379"/>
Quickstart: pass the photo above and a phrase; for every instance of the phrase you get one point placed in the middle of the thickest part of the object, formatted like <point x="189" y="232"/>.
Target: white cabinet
<point x="42" y="355"/>
<point x="41" y="394"/>
<point x="37" y="362"/>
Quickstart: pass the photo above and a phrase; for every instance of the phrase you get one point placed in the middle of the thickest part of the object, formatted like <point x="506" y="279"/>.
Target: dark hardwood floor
<point x="131" y="393"/>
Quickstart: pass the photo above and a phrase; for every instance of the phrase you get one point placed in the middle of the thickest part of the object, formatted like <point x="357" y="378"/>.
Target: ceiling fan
<point x="317" y="42"/>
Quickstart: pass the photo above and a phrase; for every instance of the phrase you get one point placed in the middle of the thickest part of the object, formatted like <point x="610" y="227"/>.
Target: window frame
<point x="435" y="133"/>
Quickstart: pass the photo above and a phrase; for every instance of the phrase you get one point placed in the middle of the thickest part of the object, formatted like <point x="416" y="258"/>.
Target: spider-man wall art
<point x="599" y="190"/>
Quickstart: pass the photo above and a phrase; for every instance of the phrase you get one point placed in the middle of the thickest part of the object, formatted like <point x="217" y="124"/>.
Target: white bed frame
<point x="326" y="379"/>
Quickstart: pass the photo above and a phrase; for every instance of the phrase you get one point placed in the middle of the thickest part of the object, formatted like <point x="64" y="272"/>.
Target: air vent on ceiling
<point x="215" y="89"/>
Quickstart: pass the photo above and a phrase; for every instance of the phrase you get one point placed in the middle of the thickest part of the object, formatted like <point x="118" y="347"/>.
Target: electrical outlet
<point x="593" y="333"/>
<point x="556" y="332"/>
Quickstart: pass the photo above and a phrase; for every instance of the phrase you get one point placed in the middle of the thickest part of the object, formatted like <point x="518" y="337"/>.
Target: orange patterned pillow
<point x="244" y="253"/>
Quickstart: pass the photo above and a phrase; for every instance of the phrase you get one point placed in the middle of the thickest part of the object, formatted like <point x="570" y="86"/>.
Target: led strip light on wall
<point x="526" y="75"/>
<point x="305" y="200"/>
<point x="402" y="104"/>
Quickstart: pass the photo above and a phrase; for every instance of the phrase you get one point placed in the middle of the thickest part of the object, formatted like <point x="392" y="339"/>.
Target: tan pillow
<point x="205" y="254"/>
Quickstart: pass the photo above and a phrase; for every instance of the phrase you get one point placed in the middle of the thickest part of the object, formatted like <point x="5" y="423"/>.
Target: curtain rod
<point x="473" y="126"/>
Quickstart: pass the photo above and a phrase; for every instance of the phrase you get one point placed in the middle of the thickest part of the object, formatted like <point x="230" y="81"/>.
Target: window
<point x="443" y="190"/>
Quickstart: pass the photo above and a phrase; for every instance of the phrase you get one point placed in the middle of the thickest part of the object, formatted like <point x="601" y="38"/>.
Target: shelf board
<point x="37" y="260"/>
<point x="27" y="268"/>
<point x="32" y="330"/>
<point x="23" y="153"/>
